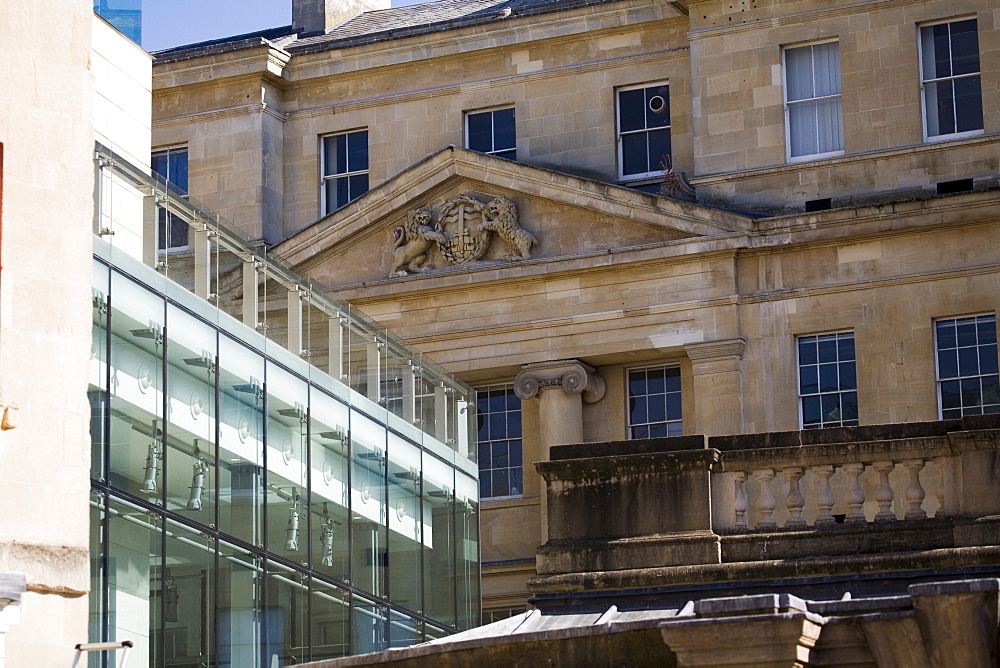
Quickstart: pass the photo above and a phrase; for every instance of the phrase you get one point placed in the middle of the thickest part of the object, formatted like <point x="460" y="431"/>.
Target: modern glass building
<point x="249" y="509"/>
<point x="126" y="15"/>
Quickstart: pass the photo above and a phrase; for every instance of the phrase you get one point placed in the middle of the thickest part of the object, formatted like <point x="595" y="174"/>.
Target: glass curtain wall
<point x="249" y="511"/>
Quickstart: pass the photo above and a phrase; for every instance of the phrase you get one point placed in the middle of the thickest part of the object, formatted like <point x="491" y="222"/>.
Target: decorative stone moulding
<point x="572" y="376"/>
<point x="461" y="232"/>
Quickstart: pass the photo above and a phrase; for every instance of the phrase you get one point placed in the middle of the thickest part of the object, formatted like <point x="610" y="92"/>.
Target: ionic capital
<point x="572" y="376"/>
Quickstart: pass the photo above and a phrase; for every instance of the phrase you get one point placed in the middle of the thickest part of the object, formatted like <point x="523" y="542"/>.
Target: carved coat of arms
<point x="461" y="234"/>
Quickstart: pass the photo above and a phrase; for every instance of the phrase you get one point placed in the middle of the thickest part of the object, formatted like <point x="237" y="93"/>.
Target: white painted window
<point x="967" y="366"/>
<point x="492" y="132"/>
<point x="814" y="124"/>
<point x="643" y="130"/>
<point x="501" y="471"/>
<point x="654" y="402"/>
<point x="828" y="381"/>
<point x="345" y="169"/>
<point x="950" y="80"/>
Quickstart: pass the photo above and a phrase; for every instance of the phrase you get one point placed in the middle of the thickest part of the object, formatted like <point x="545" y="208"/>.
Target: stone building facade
<point x="827" y="226"/>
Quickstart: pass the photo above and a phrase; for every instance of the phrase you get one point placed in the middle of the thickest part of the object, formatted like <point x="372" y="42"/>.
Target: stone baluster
<point x="946" y="491"/>
<point x="765" y="500"/>
<point x="884" y="495"/>
<point x="740" y="500"/>
<point x="794" y="501"/>
<point x="824" y="498"/>
<point x="855" y="497"/>
<point x="914" y="492"/>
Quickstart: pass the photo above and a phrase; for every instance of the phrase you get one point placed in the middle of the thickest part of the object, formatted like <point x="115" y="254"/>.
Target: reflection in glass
<point x="370" y="632"/>
<point x="368" y="524"/>
<point x="188" y="596"/>
<point x="286" y="624"/>
<point x="286" y="485"/>
<point x="191" y="371"/>
<point x="238" y="618"/>
<point x="439" y="541"/>
<point x="241" y="433"/>
<point x="330" y="621"/>
<point x="98" y="372"/>
<point x="406" y="524"/>
<point x="330" y="486"/>
<point x="134" y="547"/>
<point x="467" y="523"/>
<point x="136" y="390"/>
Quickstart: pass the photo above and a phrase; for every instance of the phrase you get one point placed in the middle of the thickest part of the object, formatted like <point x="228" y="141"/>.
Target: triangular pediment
<point x="462" y="208"/>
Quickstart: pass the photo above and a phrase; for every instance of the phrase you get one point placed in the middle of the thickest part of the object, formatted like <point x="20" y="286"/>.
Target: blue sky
<point x="167" y="23"/>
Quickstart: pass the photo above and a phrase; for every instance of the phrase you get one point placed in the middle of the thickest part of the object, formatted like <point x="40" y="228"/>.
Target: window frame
<point x="923" y="81"/>
<point x="628" y="400"/>
<point x="167" y="216"/>
<point x="325" y="208"/>
<point x="823" y="424"/>
<point x="619" y="144"/>
<point x="491" y="111"/>
<point x="481" y="391"/>
<point x="938" y="381"/>
<point x="789" y="158"/>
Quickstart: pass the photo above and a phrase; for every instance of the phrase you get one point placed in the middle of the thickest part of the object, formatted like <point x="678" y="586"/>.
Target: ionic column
<point x="716" y="368"/>
<point x="561" y="388"/>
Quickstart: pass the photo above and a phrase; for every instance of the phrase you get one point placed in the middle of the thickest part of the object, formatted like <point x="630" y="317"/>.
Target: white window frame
<point x="628" y="396"/>
<point x="784" y="93"/>
<point x="924" y="82"/>
<point x="798" y="377"/>
<point x="618" y="133"/>
<point x="171" y="249"/>
<point x="491" y="110"/>
<point x="937" y="370"/>
<point x="323" y="178"/>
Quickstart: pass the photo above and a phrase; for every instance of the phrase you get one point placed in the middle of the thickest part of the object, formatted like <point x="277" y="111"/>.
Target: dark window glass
<point x="967" y="366"/>
<point x="654" y="402"/>
<point x="827" y="380"/>
<point x="499" y="441"/>
<point x="172" y="167"/>
<point x="345" y="169"/>
<point x="493" y="132"/>
<point x="951" y="81"/>
<point x="643" y="130"/>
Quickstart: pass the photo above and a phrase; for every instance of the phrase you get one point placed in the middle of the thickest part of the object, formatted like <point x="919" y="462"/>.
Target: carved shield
<point x="459" y="221"/>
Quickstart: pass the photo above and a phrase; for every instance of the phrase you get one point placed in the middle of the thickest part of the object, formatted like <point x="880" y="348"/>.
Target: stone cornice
<point x="571" y="376"/>
<point x="709" y="351"/>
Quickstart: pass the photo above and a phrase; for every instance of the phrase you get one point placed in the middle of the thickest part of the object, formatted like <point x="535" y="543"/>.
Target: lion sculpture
<point x="413" y="241"/>
<point x="500" y="216"/>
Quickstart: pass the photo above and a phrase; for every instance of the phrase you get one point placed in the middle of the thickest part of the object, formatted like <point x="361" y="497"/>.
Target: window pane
<point x="810" y="410"/>
<point x="335" y="154"/>
<point x="826" y="69"/>
<point x="829" y="125"/>
<point x="634" y="158"/>
<point x="802" y="129"/>
<point x="658" y="150"/>
<point x="480" y="132"/>
<point x="358" y="186"/>
<point x="657" y="106"/>
<point x="968" y="105"/>
<point x="964" y="47"/>
<point x="828" y="378"/>
<point x="504" y="136"/>
<point x="827" y="346"/>
<point x="631" y="110"/>
<point x="809" y="380"/>
<point x="798" y="73"/>
<point x="848" y="376"/>
<point x="357" y="151"/>
<point x="808" y="351"/>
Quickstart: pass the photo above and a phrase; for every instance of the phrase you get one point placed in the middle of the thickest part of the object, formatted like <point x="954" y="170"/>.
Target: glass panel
<point x="98" y="544"/>
<point x="802" y="131"/>
<point x="190" y="444"/>
<point x="657" y="106"/>
<point x="826" y="68"/>
<point x="135" y="589"/>
<point x="467" y="571"/>
<point x="97" y="391"/>
<point x="634" y="158"/>
<point x="504" y="135"/>
<point x="287" y="464"/>
<point x="188" y="597"/>
<point x="238" y="619"/>
<point x="357" y="151"/>
<point x="335" y="155"/>
<point x="964" y="47"/>
<point x="405" y="523"/>
<point x="439" y="541"/>
<point x="241" y="431"/>
<point x="658" y="150"/>
<point x="968" y="104"/>
<point x="631" y="110"/>
<point x="330" y="485"/>
<point x="368" y="504"/>
<point x="403" y="630"/>
<point x="286" y="617"/>
<point x="480" y="131"/>
<point x="136" y="390"/>
<point x="370" y="632"/>
<point x="330" y="622"/>
<point x="799" y="74"/>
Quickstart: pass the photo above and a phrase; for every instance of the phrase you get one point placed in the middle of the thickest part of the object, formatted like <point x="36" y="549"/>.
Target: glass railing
<point x="224" y="266"/>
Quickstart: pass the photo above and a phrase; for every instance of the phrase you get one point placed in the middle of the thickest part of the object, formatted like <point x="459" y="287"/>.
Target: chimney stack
<point x="315" y="17"/>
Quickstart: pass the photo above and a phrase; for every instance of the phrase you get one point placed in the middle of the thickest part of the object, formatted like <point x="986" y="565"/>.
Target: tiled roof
<point x="383" y="25"/>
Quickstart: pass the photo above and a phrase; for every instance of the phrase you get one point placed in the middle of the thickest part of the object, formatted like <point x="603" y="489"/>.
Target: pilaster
<point x="717" y="370"/>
